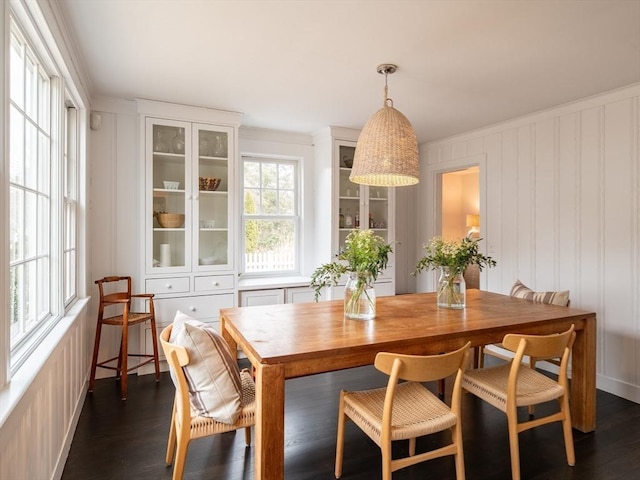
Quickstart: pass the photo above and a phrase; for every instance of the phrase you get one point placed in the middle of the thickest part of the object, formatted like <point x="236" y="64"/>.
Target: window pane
<point x="17" y="71"/>
<point x="30" y="238"/>
<point x="286" y="203"/>
<point x="16" y="226"/>
<point x="44" y="225"/>
<point x="269" y="175"/>
<point x="17" y="303"/>
<point x="44" y="107"/>
<point x="31" y="89"/>
<point x="31" y="156"/>
<point x="252" y="201"/>
<point x="44" y="163"/>
<point x="16" y="147"/>
<point x="252" y="174"/>
<point x="269" y="245"/>
<point x="31" y="298"/>
<point x="43" y="289"/>
<point x="269" y="202"/>
<point x="286" y="176"/>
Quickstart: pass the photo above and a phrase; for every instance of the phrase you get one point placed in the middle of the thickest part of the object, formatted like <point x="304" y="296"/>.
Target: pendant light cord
<point x="386" y="92"/>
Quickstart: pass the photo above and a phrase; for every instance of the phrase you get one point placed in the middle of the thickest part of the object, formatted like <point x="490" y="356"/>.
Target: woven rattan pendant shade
<point x="387" y="149"/>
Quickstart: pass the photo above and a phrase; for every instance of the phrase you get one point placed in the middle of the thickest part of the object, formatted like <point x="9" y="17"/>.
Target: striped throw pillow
<point x="212" y="374"/>
<point x="520" y="290"/>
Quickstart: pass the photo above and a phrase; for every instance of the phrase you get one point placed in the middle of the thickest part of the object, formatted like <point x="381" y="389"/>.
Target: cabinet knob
<point x="168" y="286"/>
<point x="193" y="309"/>
<point x="215" y="284"/>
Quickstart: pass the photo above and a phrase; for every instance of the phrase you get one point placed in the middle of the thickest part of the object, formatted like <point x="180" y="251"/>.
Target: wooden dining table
<point x="294" y="340"/>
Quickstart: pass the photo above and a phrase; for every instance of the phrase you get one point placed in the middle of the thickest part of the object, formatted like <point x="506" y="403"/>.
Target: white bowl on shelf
<point x="171" y="185"/>
<point x="208" y="260"/>
<point x="207" y="224"/>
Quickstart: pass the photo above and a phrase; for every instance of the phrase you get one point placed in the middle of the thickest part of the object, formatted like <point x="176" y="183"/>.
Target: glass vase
<point x="359" y="297"/>
<point x="451" y="289"/>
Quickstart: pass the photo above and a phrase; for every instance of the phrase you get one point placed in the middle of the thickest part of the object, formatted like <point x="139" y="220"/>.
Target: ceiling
<point x="302" y="65"/>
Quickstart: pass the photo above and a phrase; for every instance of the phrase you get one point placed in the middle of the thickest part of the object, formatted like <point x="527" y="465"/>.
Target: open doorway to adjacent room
<point x="460" y="211"/>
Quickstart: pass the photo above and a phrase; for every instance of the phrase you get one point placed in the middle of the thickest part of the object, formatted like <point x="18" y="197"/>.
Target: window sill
<point x="272" y="282"/>
<point x="23" y="377"/>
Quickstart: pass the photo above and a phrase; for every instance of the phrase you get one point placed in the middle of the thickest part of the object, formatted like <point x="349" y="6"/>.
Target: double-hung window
<point x="43" y="193"/>
<point x="270" y="219"/>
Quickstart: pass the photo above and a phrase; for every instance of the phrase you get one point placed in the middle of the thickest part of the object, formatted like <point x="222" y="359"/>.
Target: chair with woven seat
<point x="186" y="422"/>
<point x="520" y="290"/>
<point x="119" y="305"/>
<point x="511" y="385"/>
<point x="407" y="410"/>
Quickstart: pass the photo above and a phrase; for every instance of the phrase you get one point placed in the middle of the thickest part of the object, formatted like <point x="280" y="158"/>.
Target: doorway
<point x="460" y="211"/>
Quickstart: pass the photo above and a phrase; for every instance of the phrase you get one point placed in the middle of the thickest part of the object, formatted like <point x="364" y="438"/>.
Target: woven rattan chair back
<point x="407" y="410"/>
<point x="184" y="426"/>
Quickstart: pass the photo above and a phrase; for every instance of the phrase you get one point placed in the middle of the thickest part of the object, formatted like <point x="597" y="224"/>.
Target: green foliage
<point x="364" y="253"/>
<point x="457" y="255"/>
<point x="251" y="226"/>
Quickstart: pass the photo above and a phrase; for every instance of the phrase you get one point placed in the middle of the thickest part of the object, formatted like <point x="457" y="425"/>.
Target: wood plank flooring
<point x="127" y="439"/>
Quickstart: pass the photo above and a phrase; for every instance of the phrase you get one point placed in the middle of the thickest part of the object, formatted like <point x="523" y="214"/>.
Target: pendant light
<point x="387" y="149"/>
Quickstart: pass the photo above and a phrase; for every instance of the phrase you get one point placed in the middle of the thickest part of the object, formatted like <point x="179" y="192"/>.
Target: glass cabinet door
<point x="170" y="189"/>
<point x="213" y="180"/>
<point x="359" y="206"/>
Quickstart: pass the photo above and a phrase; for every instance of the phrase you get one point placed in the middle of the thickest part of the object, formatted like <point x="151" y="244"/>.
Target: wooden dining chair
<point x="520" y="290"/>
<point x="115" y="309"/>
<point x="407" y="410"/>
<point x="186" y="424"/>
<point x="512" y="385"/>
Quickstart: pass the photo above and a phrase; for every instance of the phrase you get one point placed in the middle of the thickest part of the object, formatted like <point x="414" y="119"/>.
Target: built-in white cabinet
<point x="342" y="205"/>
<point x="188" y="225"/>
<point x="276" y="296"/>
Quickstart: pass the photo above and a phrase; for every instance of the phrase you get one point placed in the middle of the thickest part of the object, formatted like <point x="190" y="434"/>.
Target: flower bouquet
<point x="452" y="258"/>
<point x="363" y="257"/>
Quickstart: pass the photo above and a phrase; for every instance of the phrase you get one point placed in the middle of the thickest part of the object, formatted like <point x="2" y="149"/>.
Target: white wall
<point x="562" y="211"/>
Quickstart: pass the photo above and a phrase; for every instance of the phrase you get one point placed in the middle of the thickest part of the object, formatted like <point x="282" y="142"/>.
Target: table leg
<point x="269" y="455"/>
<point x="225" y="334"/>
<point x="583" y="378"/>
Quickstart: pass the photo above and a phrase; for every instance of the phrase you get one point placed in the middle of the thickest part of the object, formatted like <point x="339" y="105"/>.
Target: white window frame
<point x="28" y="20"/>
<point x="296" y="217"/>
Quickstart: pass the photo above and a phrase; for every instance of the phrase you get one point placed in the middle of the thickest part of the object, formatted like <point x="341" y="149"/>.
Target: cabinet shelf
<point x="161" y="229"/>
<point x="175" y="156"/>
<point x="169" y="190"/>
<point x="214" y="192"/>
<point x="221" y="160"/>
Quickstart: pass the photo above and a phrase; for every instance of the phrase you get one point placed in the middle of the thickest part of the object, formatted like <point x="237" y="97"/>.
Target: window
<point x="270" y="215"/>
<point x="43" y="193"/>
<point x="70" y="192"/>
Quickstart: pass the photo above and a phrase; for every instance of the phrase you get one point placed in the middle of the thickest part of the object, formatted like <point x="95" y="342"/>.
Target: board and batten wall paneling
<point x="36" y="436"/>
<point x="563" y="213"/>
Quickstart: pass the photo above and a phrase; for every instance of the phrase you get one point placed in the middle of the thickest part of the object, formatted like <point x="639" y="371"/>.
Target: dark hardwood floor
<point x="127" y="439"/>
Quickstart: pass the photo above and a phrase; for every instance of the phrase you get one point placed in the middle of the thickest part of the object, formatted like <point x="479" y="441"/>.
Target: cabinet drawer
<point x="204" y="308"/>
<point x="254" y="298"/>
<point x="161" y="286"/>
<point x="212" y="283"/>
<point x="300" y="294"/>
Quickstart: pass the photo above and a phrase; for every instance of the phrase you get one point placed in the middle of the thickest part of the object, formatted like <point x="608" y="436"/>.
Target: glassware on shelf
<point x="220" y="145"/>
<point x="178" y="142"/>
<point x="204" y="146"/>
<point x="341" y="219"/>
<point x="159" y="144"/>
<point x="348" y="219"/>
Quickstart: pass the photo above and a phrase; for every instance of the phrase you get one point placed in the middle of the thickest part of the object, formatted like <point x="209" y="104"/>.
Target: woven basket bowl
<point x="209" y="184"/>
<point x="170" y="220"/>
